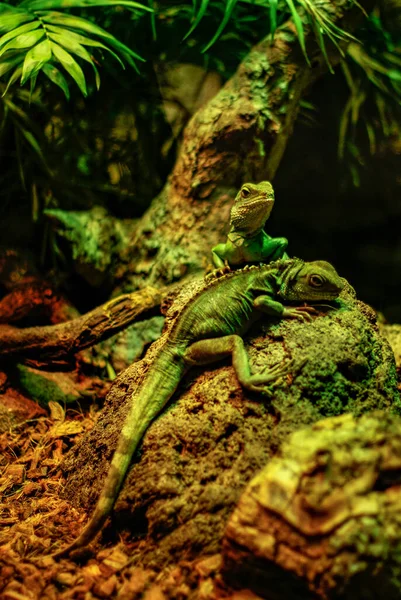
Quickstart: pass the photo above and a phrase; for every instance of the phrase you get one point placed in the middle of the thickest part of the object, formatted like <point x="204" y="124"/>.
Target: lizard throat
<point x="250" y="218"/>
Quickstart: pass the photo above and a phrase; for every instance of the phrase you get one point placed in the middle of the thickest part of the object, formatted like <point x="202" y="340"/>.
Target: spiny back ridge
<point x="279" y="265"/>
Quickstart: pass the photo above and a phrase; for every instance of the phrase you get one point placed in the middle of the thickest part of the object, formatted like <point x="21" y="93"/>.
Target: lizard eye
<point x="245" y="192"/>
<point x="316" y="281"/>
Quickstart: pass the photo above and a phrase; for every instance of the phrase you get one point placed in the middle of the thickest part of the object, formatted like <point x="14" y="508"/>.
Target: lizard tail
<point x="147" y="401"/>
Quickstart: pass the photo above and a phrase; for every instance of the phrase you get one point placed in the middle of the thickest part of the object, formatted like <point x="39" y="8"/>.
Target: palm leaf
<point x="77" y="23"/>
<point x="14" y="77"/>
<point x="9" y="63"/>
<point x="153" y="21"/>
<point x="299" y="27"/>
<point x="19" y="157"/>
<point x="26" y="40"/>
<point x="381" y="108"/>
<point x="393" y="58"/>
<point x="25" y="49"/>
<point x="70" y="44"/>
<point x="51" y="4"/>
<point x="72" y="38"/>
<point x="70" y="65"/>
<point x="12" y="17"/>
<point x="322" y="45"/>
<point x="73" y="46"/>
<point x="17" y="31"/>
<point x="57" y="78"/>
<point x="273" y="17"/>
<point x="32" y="82"/>
<point x="343" y="128"/>
<point x="371" y="137"/>
<point x="24" y="127"/>
<point x="33" y="142"/>
<point x="35" y="59"/>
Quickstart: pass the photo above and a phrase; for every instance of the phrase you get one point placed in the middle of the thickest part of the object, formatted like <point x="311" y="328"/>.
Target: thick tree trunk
<point x="240" y="135"/>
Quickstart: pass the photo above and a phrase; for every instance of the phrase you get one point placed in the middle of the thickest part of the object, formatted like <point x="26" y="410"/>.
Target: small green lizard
<point x="208" y="329"/>
<point x="247" y="242"/>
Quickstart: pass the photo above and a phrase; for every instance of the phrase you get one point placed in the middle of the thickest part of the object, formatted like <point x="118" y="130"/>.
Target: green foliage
<point x="300" y="11"/>
<point x="373" y="109"/>
<point x="37" y="38"/>
<point x="20" y="132"/>
<point x="42" y="41"/>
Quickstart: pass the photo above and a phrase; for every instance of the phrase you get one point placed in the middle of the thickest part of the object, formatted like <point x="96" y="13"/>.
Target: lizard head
<point x="317" y="280"/>
<point x="252" y="207"/>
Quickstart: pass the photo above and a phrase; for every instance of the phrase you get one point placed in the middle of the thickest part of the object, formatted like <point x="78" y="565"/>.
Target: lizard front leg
<point x="220" y="262"/>
<point x="275" y="309"/>
<point x="218" y="255"/>
<point x="211" y="350"/>
<point x="273" y="248"/>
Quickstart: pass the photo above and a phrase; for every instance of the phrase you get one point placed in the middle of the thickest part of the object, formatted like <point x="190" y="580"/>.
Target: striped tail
<point x="148" y="400"/>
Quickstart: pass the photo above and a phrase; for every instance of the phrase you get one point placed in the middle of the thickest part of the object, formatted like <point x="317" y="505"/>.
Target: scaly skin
<point x="207" y="329"/>
<point x="247" y="242"/>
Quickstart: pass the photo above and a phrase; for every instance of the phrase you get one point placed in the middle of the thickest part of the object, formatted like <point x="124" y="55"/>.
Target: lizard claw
<point x="303" y="313"/>
<point x="273" y="376"/>
<point x="218" y="272"/>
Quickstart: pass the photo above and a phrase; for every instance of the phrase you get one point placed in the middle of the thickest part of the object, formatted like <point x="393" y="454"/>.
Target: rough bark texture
<point x="240" y="135"/>
<point x="55" y="344"/>
<point x="197" y="457"/>
<point x="323" y="518"/>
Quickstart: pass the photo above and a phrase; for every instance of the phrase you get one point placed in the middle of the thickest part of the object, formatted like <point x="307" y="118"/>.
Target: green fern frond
<point x="300" y="11"/>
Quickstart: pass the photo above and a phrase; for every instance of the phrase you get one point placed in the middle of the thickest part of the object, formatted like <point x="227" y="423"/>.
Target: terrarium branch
<point x="59" y="343"/>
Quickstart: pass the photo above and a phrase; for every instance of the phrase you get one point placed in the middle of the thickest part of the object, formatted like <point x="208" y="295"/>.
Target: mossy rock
<point x="322" y="519"/>
<point x="198" y="456"/>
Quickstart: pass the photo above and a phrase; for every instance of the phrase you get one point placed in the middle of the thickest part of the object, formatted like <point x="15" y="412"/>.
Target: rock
<point x="127" y="346"/>
<point x="322" y="519"/>
<point x="393" y="334"/>
<point x="58" y="386"/>
<point x="197" y="457"/>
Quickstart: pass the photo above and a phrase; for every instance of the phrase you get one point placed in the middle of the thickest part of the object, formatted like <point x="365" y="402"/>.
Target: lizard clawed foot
<point x="273" y="375"/>
<point x="218" y="272"/>
<point x="328" y="306"/>
<point x="303" y="313"/>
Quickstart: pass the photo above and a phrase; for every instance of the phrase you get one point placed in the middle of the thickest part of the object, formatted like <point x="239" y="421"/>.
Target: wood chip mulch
<point x="33" y="519"/>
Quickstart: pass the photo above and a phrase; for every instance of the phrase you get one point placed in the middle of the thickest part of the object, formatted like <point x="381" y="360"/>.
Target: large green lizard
<point x="247" y="242"/>
<point x="208" y="329"/>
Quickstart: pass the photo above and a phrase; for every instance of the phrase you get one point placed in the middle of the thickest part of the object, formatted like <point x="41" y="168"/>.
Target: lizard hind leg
<point x="214" y="349"/>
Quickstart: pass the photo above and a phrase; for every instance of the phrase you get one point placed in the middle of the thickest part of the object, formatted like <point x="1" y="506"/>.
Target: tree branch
<point x="57" y="344"/>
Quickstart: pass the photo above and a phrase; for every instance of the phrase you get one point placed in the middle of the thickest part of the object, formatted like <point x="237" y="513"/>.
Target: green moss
<point x="43" y="387"/>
